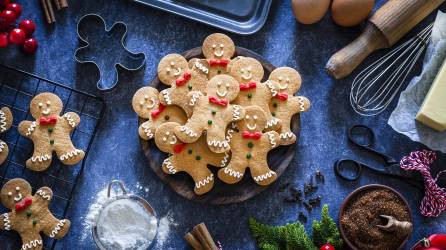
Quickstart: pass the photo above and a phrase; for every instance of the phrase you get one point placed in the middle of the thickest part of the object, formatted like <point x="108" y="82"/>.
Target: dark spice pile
<point x="362" y="215"/>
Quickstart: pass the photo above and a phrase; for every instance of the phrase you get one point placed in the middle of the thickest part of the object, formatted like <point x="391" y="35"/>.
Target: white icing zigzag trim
<point x="167" y="97"/>
<point x="219" y="144"/>
<point x="71" y="154"/>
<point x="201" y="67"/>
<point x="271" y="88"/>
<point x="2" y="121"/>
<point x="147" y="131"/>
<point x="6" y="222"/>
<point x="169" y="166"/>
<point x="228" y="139"/>
<point x="301" y="101"/>
<point x="233" y="173"/>
<point x="41" y="158"/>
<point x="236" y="113"/>
<point x="188" y="131"/>
<point x="31" y="128"/>
<point x="194" y="98"/>
<point x="272" y="122"/>
<point x="70" y="120"/>
<point x="272" y="140"/>
<point x="32" y="244"/>
<point x="2" y="146"/>
<point x="287" y="135"/>
<point x="43" y="194"/>
<point x="204" y="182"/>
<point x="57" y="229"/>
<point x="264" y="176"/>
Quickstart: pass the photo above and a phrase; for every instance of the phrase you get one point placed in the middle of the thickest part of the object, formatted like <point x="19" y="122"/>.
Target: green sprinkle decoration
<point x="50" y="130"/>
<point x="273" y="113"/>
<point x="197" y="157"/>
<point x="34" y="222"/>
<point x="248" y="156"/>
<point x="210" y="122"/>
<point x="275" y="104"/>
<point x="51" y="142"/>
<point x="189" y="86"/>
<point x="250" y="145"/>
<point x="219" y="71"/>
<point x="28" y="214"/>
<point x="189" y="151"/>
<point x="214" y="112"/>
<point x="249" y="95"/>
<point x="166" y="117"/>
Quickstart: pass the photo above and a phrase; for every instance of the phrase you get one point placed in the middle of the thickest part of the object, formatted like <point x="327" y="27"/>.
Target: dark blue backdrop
<point x="116" y="152"/>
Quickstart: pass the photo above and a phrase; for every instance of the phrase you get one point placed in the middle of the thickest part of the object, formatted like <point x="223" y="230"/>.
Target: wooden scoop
<point x="386" y="27"/>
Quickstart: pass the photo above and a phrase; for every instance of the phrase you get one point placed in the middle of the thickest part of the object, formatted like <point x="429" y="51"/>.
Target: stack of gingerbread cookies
<point x="217" y="112"/>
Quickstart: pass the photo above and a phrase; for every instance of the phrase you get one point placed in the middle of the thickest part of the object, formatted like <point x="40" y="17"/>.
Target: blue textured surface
<point x="116" y="152"/>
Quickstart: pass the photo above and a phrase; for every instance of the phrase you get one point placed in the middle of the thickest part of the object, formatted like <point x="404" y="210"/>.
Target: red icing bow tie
<point x="23" y="204"/>
<point x="251" y="135"/>
<point x="179" y="148"/>
<point x="50" y="120"/>
<point x="218" y="62"/>
<point x="281" y="96"/>
<point x="248" y="86"/>
<point x="222" y="102"/>
<point x="157" y="112"/>
<point x="183" y="79"/>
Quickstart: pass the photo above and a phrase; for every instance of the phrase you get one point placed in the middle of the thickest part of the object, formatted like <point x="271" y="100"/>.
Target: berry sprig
<point x="11" y="33"/>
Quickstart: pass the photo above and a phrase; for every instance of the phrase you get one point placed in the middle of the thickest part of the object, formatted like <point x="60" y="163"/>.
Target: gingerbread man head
<point x="254" y="121"/>
<point x="246" y="70"/>
<point x="223" y="87"/>
<point x="13" y="192"/>
<point x="172" y="67"/>
<point x="46" y="104"/>
<point x="285" y="80"/>
<point x="218" y="46"/>
<point x="145" y="101"/>
<point x="166" y="140"/>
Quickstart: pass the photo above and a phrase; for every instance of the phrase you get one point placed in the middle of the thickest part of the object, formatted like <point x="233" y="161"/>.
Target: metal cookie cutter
<point x="105" y="48"/>
<point x="133" y="198"/>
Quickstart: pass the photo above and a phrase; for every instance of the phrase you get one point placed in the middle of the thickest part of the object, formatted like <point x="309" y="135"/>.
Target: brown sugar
<point x="362" y="215"/>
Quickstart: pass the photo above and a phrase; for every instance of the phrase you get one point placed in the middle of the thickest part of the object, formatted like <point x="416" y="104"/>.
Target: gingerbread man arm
<point x="165" y="96"/>
<point x="238" y="112"/>
<point x="171" y="166"/>
<point x="272" y="139"/>
<point x="146" y="130"/>
<point x="26" y="128"/>
<point x="44" y="195"/>
<point x="31" y="241"/>
<point x="72" y="119"/>
<point x="299" y="104"/>
<point x="55" y="228"/>
<point x="193" y="97"/>
<point x="7" y="221"/>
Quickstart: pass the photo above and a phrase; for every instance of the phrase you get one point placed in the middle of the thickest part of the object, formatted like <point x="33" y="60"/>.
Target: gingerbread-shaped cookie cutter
<point x="134" y="198"/>
<point x="100" y="48"/>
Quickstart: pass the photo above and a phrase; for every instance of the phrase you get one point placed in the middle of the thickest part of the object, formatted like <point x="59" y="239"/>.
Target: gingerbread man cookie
<point x="249" y="72"/>
<point x="285" y="83"/>
<point x="218" y="49"/>
<point x="192" y="158"/>
<point x="146" y="104"/>
<point x="212" y="113"/>
<point x="29" y="214"/>
<point x="173" y="70"/>
<point x="250" y="148"/>
<point x="5" y="124"/>
<point x="50" y="132"/>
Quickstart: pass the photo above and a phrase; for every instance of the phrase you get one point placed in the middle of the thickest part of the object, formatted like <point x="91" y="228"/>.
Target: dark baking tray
<point x="239" y="16"/>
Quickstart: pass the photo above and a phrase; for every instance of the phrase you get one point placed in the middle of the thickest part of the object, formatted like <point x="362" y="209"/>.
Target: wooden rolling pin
<point x="386" y="27"/>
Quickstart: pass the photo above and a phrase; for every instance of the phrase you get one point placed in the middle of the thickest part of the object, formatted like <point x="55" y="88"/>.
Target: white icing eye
<point x="255" y="117"/>
<point x="247" y="116"/>
<point x="227" y="85"/>
<point x="167" y="133"/>
<point x="214" y="46"/>
<point x="280" y="78"/>
<point x="172" y="63"/>
<point x="164" y="139"/>
<point x="221" y="45"/>
<point x="249" y="70"/>
<point x="146" y="97"/>
<point x="17" y="188"/>
<point x="168" y="70"/>
<point x="40" y="104"/>
<point x="288" y="80"/>
<point x="9" y="194"/>
<point x="219" y="83"/>
<point x="141" y="103"/>
<point x="243" y="70"/>
<point x="48" y="103"/>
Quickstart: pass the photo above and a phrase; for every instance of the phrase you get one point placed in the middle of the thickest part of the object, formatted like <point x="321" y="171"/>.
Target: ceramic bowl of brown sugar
<point x="360" y="215"/>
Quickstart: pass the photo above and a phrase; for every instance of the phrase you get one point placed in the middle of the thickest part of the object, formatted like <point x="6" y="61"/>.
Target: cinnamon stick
<point x="60" y="4"/>
<point x="193" y="242"/>
<point x="203" y="235"/>
<point x="48" y="11"/>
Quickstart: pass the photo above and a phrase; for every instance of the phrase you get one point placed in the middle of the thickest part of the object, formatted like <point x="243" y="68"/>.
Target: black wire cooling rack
<point x="17" y="88"/>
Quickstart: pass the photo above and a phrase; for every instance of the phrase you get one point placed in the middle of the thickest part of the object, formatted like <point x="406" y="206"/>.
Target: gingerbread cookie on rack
<point x="146" y="104"/>
<point x="30" y="214"/>
<point x="50" y="132"/>
<point x="218" y="49"/>
<point x="192" y="158"/>
<point x="249" y="73"/>
<point x="174" y="71"/>
<point x="212" y="113"/>
<point x="250" y="148"/>
<point x="285" y="82"/>
<point x="5" y="124"/>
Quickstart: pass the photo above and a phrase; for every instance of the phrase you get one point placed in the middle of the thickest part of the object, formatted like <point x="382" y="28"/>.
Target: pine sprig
<point x="326" y="231"/>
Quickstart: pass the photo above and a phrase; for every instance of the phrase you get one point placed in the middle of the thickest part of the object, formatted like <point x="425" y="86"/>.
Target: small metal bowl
<point x="354" y="194"/>
<point x="124" y="195"/>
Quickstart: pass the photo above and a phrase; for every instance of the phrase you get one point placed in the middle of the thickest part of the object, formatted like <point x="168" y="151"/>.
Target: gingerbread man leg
<point x="146" y="130"/>
<point x="262" y="174"/>
<point x="67" y="153"/>
<point x="191" y="131"/>
<point x="31" y="241"/>
<point x="55" y="228"/>
<point x="41" y="158"/>
<point x="233" y="173"/>
<point x="216" y="139"/>
<point x="4" y="151"/>
<point x="203" y="178"/>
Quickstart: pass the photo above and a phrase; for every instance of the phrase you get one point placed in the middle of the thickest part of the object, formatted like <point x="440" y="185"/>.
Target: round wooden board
<point x="278" y="159"/>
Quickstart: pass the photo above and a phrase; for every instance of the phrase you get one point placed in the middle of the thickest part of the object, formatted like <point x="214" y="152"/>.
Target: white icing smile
<point x="46" y="111"/>
<point x="222" y="94"/>
<point x="178" y="72"/>
<point x="246" y="73"/>
<point x="173" y="140"/>
<point x="253" y="127"/>
<point x="282" y="87"/>
<point x="18" y="198"/>
<point x="247" y="77"/>
<point x="218" y="53"/>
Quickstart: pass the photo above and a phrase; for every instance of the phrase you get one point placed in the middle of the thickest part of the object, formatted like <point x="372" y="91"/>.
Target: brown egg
<point x="310" y="11"/>
<point x="348" y="13"/>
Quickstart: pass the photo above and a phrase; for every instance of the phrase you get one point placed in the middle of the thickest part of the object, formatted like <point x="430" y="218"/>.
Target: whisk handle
<point x="343" y="62"/>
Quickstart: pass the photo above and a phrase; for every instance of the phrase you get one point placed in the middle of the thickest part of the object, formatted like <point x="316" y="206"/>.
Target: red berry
<point x="327" y="247"/>
<point x="16" y="8"/>
<point x="28" y="26"/>
<point x="4" y="40"/>
<point x="30" y="46"/>
<point x="7" y="17"/>
<point x="3" y="3"/>
<point x="17" y="36"/>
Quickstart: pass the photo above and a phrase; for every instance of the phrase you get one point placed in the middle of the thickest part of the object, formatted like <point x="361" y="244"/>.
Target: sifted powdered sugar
<point x="125" y="224"/>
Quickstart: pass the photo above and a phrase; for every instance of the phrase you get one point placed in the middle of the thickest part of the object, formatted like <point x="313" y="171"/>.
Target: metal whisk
<point x="377" y="85"/>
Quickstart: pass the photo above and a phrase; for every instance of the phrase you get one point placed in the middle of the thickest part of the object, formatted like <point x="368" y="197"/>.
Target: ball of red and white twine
<point x="434" y="201"/>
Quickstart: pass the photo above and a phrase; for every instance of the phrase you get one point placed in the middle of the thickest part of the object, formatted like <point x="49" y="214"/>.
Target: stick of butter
<point x="433" y="111"/>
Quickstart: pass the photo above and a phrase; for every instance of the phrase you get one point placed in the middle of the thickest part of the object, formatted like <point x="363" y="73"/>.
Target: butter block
<point x="433" y="111"/>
